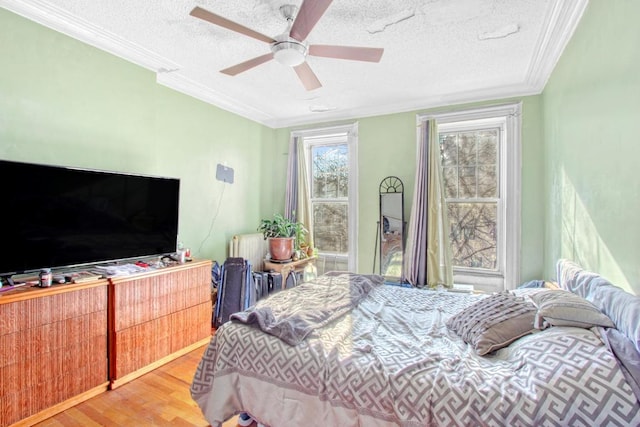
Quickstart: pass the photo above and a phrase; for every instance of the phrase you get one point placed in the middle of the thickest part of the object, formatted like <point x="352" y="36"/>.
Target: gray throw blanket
<point x="294" y="313"/>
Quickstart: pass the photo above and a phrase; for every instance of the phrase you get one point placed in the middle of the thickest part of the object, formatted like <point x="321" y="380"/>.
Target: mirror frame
<point x="388" y="186"/>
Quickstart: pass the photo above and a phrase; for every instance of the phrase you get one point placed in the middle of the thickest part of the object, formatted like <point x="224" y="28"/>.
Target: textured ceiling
<point x="436" y="52"/>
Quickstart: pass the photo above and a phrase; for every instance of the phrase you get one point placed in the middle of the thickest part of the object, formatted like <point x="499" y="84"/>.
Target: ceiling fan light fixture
<point x="290" y="53"/>
<point x="290" y="48"/>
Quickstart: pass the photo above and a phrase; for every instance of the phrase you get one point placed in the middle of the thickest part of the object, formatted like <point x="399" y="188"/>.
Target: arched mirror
<point x="391" y="228"/>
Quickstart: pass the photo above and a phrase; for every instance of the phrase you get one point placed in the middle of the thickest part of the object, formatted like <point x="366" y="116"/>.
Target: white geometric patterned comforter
<point x="392" y="362"/>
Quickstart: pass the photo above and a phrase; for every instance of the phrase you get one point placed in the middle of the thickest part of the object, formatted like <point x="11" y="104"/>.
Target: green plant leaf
<point x="279" y="226"/>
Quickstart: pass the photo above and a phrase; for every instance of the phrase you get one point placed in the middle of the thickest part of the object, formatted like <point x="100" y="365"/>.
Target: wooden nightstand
<point x="286" y="268"/>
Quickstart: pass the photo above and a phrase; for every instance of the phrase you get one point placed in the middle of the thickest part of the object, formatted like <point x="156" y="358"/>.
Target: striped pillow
<point x="494" y="322"/>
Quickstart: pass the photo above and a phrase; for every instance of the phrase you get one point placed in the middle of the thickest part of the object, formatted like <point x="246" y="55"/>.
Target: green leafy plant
<point x="280" y="226"/>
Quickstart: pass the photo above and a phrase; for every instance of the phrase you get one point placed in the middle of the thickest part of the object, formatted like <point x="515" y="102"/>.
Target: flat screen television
<point x="62" y="217"/>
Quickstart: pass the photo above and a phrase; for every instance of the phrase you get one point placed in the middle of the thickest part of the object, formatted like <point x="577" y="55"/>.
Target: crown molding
<point x="561" y="23"/>
<point x="44" y="13"/>
<point x="417" y="104"/>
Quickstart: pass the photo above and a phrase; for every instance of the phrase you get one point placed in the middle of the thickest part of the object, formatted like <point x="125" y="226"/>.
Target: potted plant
<point x="284" y="236"/>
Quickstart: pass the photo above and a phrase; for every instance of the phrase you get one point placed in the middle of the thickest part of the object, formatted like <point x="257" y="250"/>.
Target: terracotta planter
<point x="281" y="248"/>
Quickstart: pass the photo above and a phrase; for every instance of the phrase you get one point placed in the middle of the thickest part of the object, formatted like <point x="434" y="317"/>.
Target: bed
<point x="348" y="350"/>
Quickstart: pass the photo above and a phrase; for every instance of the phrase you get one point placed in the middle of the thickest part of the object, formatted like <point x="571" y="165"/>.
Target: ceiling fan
<point x="289" y="48"/>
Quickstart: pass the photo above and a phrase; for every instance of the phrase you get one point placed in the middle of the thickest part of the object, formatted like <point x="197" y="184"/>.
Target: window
<point x="480" y="155"/>
<point x="331" y="162"/>
<point x="471" y="175"/>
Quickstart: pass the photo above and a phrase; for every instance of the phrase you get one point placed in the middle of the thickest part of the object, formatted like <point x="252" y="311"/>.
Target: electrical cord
<point x="213" y="220"/>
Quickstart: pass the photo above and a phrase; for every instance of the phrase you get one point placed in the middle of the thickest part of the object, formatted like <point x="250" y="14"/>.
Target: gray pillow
<point x="494" y="322"/>
<point x="563" y="308"/>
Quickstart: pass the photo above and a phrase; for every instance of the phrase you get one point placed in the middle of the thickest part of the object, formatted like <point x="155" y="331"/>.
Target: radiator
<point x="252" y="247"/>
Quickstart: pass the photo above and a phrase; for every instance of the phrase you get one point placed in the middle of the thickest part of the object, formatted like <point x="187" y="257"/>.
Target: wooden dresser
<point x="53" y="349"/>
<point x="156" y="317"/>
<point x="65" y="344"/>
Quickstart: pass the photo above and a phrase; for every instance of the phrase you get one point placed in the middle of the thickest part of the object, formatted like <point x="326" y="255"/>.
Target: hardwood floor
<point x="159" y="398"/>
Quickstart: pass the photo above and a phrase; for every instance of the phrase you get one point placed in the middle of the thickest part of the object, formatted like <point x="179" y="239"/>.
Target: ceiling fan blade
<point x="307" y="76"/>
<point x="354" y="53"/>
<point x="246" y="65"/>
<point x="203" y="14"/>
<point x="310" y="12"/>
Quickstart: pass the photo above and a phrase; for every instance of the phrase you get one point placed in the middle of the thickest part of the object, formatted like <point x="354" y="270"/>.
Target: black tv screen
<point x="60" y="217"/>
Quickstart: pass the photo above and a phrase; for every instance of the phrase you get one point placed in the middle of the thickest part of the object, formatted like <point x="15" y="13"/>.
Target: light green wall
<point x="66" y="103"/>
<point x="591" y="110"/>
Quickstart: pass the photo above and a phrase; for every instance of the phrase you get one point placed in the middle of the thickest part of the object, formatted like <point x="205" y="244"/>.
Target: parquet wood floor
<point x="159" y="398"/>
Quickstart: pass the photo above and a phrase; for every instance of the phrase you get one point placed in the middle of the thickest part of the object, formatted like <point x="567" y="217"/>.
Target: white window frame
<point x="338" y="135"/>
<point x="508" y="118"/>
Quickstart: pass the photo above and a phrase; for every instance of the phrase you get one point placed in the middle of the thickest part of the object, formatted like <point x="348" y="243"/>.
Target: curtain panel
<point x="428" y="249"/>
<point x="297" y="196"/>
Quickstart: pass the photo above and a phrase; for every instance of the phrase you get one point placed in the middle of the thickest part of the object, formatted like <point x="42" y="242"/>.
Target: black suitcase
<point x="236" y="290"/>
<point x="262" y="285"/>
<point x="266" y="282"/>
<point x="275" y="282"/>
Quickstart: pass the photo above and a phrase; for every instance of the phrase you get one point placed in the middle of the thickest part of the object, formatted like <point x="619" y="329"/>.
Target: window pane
<point x="488" y="147"/>
<point x="487" y="182"/>
<point x="449" y="149"/>
<point x="450" y="176"/>
<point x="330" y="232"/>
<point x="467" y="149"/>
<point x="473" y="234"/>
<point x="330" y="170"/>
<point x="488" y="161"/>
<point x="467" y="182"/>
